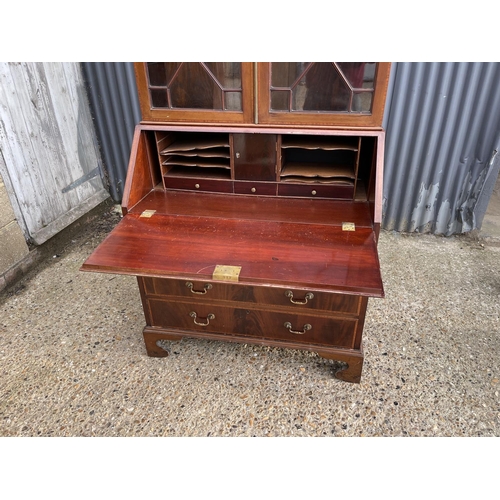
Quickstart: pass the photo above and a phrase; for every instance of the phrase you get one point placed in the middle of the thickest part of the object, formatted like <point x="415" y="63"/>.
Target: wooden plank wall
<point x="52" y="166"/>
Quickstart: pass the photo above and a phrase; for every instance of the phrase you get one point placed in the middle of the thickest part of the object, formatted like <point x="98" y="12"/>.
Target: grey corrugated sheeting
<point x="115" y="105"/>
<point x="443" y="133"/>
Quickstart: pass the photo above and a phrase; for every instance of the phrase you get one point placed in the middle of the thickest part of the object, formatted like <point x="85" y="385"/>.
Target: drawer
<point x="255" y="188"/>
<point x="212" y="318"/>
<point x="261" y="295"/>
<point x="341" y="191"/>
<point x="199" y="184"/>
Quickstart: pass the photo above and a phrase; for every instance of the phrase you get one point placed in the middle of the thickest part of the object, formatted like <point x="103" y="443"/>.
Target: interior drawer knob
<point x="208" y="318"/>
<point x="308" y="296"/>
<point x="206" y="288"/>
<point x="306" y="327"/>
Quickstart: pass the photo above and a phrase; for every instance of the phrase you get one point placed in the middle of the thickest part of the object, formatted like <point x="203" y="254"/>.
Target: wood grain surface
<point x="269" y="252"/>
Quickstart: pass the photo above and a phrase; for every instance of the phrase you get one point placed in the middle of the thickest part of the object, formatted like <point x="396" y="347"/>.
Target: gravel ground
<point x="73" y="362"/>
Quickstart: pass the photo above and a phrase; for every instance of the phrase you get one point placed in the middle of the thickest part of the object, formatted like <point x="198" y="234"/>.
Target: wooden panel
<point x="253" y="322"/>
<point x="281" y="253"/>
<point x="147" y="285"/>
<point x="142" y="283"/>
<point x="309" y="211"/>
<point x="51" y="160"/>
<point x="139" y="180"/>
<point x="264" y="296"/>
<point x="255" y="157"/>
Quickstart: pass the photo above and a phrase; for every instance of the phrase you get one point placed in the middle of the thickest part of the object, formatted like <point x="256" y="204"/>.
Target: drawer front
<point x="304" y="328"/>
<point x="210" y="318"/>
<point x="199" y="184"/>
<point x="255" y="188"/>
<point x="300" y="300"/>
<point x="316" y="190"/>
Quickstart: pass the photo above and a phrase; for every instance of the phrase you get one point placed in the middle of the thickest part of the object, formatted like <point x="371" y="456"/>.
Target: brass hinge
<point x="348" y="226"/>
<point x="148" y="213"/>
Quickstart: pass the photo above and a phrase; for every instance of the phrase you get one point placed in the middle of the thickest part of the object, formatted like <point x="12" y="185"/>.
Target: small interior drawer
<point x="255" y="188"/>
<point x="318" y="190"/>
<point x="198" y="184"/>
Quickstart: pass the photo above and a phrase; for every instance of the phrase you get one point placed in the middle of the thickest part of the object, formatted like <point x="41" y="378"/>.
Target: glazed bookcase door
<point x="344" y="94"/>
<point x="196" y="92"/>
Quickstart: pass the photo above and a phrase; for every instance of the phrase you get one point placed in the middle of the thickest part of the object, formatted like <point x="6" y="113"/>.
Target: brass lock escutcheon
<point x="308" y="296"/>
<point x="206" y="288"/>
<point x="208" y="318"/>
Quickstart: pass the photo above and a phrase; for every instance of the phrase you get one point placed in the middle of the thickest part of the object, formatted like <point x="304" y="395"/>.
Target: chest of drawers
<point x="263" y="234"/>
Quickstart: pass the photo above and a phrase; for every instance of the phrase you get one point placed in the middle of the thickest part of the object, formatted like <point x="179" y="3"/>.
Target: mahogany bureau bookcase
<point x="252" y="204"/>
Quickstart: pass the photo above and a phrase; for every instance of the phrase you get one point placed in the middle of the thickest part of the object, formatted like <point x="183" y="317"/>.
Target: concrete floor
<point x="73" y="361"/>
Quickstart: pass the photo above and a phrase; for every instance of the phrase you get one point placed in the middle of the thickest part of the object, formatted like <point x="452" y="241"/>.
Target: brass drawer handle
<point x="206" y="287"/>
<point x="209" y="317"/>
<point x="307" y="327"/>
<point x="308" y="296"/>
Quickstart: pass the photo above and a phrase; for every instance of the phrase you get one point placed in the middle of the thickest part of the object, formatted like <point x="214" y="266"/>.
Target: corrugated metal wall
<point x="115" y="105"/>
<point x="443" y="129"/>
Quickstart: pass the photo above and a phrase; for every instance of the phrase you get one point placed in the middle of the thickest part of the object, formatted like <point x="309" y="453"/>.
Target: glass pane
<point x="326" y="90"/>
<point x="285" y="74"/>
<point x="362" y="102"/>
<point x="325" y="86"/>
<point x="215" y="86"/>
<point x="160" y="73"/>
<point x="233" y="101"/>
<point x="299" y="96"/>
<point x="159" y="98"/>
<point x="227" y="74"/>
<point x="359" y="74"/>
<point x="193" y="87"/>
<point x="279" y="100"/>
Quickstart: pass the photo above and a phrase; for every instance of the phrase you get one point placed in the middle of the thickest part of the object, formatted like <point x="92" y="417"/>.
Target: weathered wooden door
<point x="49" y="158"/>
